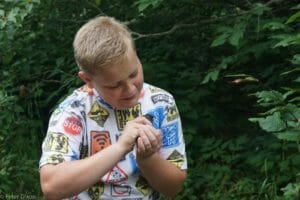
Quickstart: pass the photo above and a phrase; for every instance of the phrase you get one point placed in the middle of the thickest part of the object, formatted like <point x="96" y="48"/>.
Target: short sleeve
<point x="166" y="118"/>
<point x="63" y="138"/>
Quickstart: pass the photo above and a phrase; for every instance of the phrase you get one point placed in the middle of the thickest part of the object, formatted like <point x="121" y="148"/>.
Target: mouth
<point x="130" y="97"/>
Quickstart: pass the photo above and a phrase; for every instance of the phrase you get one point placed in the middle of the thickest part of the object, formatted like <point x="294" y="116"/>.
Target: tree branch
<point x="96" y="7"/>
<point x="137" y="36"/>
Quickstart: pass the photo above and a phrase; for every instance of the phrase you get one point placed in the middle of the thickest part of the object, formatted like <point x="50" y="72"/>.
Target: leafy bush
<point x="225" y="63"/>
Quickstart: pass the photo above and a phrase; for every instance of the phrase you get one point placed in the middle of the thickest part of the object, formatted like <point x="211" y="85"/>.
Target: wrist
<point x="121" y="149"/>
<point x="144" y="159"/>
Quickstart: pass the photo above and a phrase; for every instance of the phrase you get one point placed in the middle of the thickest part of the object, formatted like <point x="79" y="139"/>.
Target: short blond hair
<point x="101" y="42"/>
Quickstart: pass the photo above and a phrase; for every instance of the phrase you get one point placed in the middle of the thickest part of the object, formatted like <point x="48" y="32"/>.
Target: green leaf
<point x="2" y="23"/>
<point x="211" y="76"/>
<point x="274" y="26"/>
<point x="226" y="61"/>
<point x="297" y="79"/>
<point x="13" y="14"/>
<point x="220" y="40"/>
<point x="285" y="40"/>
<point x="293" y="18"/>
<point x="251" y="79"/>
<point x="291" y="71"/>
<point x="237" y="34"/>
<point x="288" y="93"/>
<point x="260" y="8"/>
<point x="144" y="4"/>
<point x="272" y="123"/>
<point x="268" y="98"/>
<point x="296" y="99"/>
<point x="297" y="7"/>
<point x="98" y="2"/>
<point x="296" y="59"/>
<point x="236" y="75"/>
<point x="288" y="135"/>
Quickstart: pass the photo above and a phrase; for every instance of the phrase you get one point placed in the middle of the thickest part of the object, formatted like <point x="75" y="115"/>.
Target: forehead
<point x="120" y="71"/>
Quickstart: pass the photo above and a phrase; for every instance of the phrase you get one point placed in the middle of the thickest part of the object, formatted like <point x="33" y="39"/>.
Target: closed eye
<point x="134" y="74"/>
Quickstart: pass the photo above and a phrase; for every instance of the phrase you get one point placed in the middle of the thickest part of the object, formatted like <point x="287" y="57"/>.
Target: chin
<point x="127" y="105"/>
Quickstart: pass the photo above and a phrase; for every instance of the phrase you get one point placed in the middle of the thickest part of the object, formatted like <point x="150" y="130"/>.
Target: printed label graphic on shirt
<point x="133" y="163"/>
<point x="170" y="135"/>
<point x="72" y="125"/>
<point x="172" y="112"/>
<point x="74" y="155"/>
<point x="176" y="158"/>
<point x="84" y="150"/>
<point x="143" y="186"/>
<point x="125" y="115"/>
<point x="116" y="175"/>
<point x="96" y="191"/>
<point x="117" y="136"/>
<point x="103" y="102"/>
<point x="158" y="116"/>
<point x="56" y="142"/>
<point x="121" y="190"/>
<point x="154" y="196"/>
<point x="69" y="102"/>
<point x="98" y="114"/>
<point x="155" y="89"/>
<point x="55" y="159"/>
<point x="100" y="140"/>
<point x="53" y="123"/>
<point x="56" y="112"/>
<point x="55" y="117"/>
<point x="162" y="98"/>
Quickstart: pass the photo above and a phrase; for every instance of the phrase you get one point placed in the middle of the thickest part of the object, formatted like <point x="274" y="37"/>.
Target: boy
<point x="98" y="144"/>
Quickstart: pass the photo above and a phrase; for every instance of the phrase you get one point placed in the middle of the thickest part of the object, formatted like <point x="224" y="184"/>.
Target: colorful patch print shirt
<point x="84" y="124"/>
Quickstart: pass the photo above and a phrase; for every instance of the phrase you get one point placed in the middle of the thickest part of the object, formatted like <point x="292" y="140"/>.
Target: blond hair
<point x="101" y="42"/>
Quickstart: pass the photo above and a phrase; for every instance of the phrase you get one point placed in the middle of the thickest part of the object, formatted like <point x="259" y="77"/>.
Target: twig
<point x="273" y="1"/>
<point x="173" y="29"/>
<point x="137" y="35"/>
<point x="96" y="7"/>
<point x="248" y="2"/>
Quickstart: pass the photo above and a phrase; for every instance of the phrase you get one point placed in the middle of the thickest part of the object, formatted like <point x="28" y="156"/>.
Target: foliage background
<point x="233" y="67"/>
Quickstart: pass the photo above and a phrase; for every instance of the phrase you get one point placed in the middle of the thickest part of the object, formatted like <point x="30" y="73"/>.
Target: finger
<point x="140" y="145"/>
<point x="158" y="135"/>
<point x="150" y="134"/>
<point x="149" y="130"/>
<point x="158" y="138"/>
<point x="142" y="120"/>
<point x="145" y="139"/>
<point x="155" y="133"/>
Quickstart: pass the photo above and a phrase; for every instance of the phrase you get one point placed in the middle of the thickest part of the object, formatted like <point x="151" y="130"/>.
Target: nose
<point x="129" y="87"/>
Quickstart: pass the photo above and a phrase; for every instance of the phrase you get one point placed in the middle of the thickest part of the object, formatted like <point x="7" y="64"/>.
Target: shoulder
<point x="77" y="100"/>
<point x="158" y="95"/>
<point x="74" y="104"/>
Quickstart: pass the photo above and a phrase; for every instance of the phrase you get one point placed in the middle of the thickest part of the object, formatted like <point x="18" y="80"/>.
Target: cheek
<point x="109" y="95"/>
<point x="139" y="80"/>
<point x="113" y="94"/>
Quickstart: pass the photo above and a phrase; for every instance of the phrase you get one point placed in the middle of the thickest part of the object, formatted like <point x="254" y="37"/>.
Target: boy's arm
<point x="72" y="177"/>
<point x="162" y="175"/>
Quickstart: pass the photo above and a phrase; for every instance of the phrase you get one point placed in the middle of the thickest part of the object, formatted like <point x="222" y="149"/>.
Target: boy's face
<point x="120" y="85"/>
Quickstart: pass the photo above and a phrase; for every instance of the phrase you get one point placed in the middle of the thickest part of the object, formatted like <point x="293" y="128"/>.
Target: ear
<point x="85" y="78"/>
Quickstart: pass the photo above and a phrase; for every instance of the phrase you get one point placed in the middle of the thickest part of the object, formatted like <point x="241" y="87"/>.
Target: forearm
<point x="72" y="177"/>
<point x="162" y="175"/>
